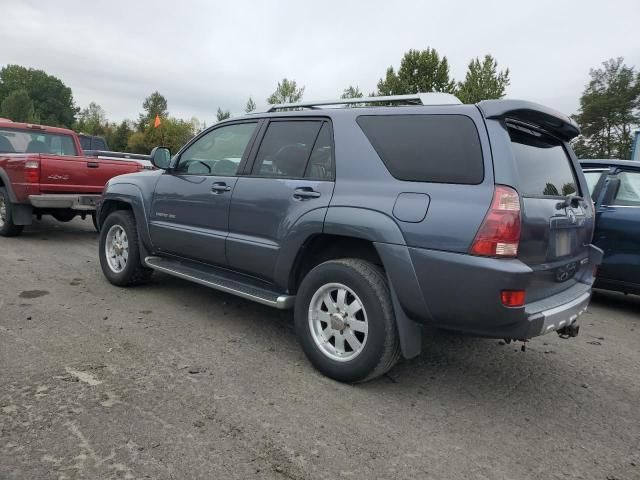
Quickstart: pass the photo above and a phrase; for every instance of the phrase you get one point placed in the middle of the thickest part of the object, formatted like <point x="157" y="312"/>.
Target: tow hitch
<point x="569" y="331"/>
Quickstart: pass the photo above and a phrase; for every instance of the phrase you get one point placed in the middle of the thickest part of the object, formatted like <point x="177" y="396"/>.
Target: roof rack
<point x="431" y="98"/>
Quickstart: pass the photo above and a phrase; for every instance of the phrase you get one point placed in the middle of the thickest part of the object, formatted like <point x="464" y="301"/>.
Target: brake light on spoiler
<point x="499" y="234"/>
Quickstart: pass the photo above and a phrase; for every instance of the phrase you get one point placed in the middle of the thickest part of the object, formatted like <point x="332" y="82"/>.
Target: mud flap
<point x="409" y="332"/>
<point x="21" y="214"/>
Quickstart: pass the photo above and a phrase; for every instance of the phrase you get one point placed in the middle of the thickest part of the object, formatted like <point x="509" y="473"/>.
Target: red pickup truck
<point x="43" y="171"/>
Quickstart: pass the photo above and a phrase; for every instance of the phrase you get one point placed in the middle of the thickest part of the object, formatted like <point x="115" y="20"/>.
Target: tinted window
<point x="21" y="141"/>
<point x="427" y="148"/>
<point x="285" y="149"/>
<point x="218" y="152"/>
<point x="629" y="191"/>
<point x="544" y="167"/>
<point x="320" y="166"/>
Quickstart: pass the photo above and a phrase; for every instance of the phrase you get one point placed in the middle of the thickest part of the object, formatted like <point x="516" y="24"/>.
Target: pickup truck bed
<point x="43" y="171"/>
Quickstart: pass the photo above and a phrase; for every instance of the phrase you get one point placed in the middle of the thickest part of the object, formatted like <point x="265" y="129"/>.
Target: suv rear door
<point x="291" y="176"/>
<point x="556" y="233"/>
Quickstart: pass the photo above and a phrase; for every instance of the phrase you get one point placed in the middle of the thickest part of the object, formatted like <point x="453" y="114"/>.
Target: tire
<point x="365" y="283"/>
<point x="119" y="270"/>
<point x="7" y="227"/>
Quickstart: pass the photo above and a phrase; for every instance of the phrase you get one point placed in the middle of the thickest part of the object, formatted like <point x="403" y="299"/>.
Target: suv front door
<point x="190" y="209"/>
<point x="292" y="176"/>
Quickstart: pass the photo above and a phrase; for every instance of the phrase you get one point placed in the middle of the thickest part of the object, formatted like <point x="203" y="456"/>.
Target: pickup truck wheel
<point x="344" y="320"/>
<point x="119" y="251"/>
<point x="7" y="227"/>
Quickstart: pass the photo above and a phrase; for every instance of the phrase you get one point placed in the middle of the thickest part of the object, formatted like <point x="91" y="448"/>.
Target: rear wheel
<point x="344" y="320"/>
<point x="119" y="250"/>
<point x="7" y="227"/>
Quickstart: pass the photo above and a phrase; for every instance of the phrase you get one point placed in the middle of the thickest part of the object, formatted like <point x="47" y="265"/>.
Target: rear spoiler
<point x="532" y="113"/>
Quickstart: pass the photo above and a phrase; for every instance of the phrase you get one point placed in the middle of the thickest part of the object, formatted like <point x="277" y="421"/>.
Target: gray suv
<point x="370" y="218"/>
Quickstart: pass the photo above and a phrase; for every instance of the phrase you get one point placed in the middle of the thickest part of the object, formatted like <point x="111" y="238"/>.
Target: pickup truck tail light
<point x="499" y="234"/>
<point x="32" y="171"/>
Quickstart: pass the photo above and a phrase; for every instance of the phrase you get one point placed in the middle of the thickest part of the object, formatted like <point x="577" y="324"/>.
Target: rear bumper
<point x="65" y="201"/>
<point x="462" y="293"/>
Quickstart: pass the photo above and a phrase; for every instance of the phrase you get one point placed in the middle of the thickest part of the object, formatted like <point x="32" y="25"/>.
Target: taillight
<point x="499" y="234"/>
<point x="512" y="298"/>
<point x="32" y="171"/>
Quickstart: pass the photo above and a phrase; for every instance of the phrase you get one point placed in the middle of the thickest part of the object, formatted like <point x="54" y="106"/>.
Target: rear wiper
<point x="572" y="201"/>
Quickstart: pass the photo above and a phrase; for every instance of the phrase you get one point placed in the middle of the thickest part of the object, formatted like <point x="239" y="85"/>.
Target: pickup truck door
<point x="292" y="176"/>
<point x="190" y="209"/>
<point x="618" y="227"/>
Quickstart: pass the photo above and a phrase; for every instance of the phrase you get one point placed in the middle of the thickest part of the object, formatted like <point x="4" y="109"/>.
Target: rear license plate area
<point x="562" y="243"/>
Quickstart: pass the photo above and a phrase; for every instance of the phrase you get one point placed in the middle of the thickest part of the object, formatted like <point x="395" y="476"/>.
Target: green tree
<point x="117" y="136"/>
<point x="92" y="120"/>
<point x="483" y="81"/>
<point x="351" y="92"/>
<point x="52" y="99"/>
<point x="420" y="71"/>
<point x="222" y="114"/>
<point x="609" y="111"/>
<point x="154" y="104"/>
<point x="286" y="92"/>
<point x="17" y="106"/>
<point x="251" y="105"/>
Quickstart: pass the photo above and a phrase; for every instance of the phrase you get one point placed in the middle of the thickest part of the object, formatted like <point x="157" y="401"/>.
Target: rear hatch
<point x="556" y="226"/>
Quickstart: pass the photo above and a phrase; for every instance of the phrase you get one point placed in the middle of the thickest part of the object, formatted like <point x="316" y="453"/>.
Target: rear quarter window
<point x="427" y="148"/>
<point x="544" y="167"/>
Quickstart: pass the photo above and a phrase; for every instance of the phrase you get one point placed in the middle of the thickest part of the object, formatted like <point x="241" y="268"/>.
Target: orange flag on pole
<point x="157" y="121"/>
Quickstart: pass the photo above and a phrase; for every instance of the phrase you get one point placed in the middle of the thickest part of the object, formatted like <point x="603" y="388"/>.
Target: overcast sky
<point x="201" y="55"/>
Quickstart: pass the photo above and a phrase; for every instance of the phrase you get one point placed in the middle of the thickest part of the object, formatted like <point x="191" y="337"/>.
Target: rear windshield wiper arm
<point x="572" y="201"/>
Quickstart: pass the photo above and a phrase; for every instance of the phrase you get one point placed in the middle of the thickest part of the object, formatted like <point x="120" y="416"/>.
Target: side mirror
<point x="161" y="157"/>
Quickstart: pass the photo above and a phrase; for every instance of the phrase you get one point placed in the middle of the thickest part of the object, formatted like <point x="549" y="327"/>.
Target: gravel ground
<point x="175" y="381"/>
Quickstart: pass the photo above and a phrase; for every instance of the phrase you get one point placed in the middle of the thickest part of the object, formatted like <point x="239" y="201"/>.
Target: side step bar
<point x="223" y="280"/>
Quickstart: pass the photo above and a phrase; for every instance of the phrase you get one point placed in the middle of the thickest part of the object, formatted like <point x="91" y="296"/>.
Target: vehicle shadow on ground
<point x="50" y="229"/>
<point x="617" y="301"/>
<point x="469" y="371"/>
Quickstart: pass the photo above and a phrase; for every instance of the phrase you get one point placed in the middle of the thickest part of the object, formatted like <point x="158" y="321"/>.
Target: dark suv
<point x="370" y="221"/>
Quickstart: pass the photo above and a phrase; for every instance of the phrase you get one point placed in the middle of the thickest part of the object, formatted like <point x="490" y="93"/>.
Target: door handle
<point x="305" y="192"/>
<point x="220" y="187"/>
<point x="93" y="164"/>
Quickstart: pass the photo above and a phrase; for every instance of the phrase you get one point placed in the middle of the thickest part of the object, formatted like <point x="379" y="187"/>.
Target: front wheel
<point x="119" y="250"/>
<point x="344" y="320"/>
<point x="7" y="227"/>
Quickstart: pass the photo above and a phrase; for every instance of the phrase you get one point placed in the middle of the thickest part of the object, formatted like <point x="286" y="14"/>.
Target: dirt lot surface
<point x="176" y="381"/>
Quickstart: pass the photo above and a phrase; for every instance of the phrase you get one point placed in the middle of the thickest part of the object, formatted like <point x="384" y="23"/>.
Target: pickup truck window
<point x="218" y="152"/>
<point x="24" y="141"/>
<point x="629" y="192"/>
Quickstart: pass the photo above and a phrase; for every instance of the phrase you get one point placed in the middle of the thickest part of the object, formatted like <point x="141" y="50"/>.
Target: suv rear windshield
<point x="23" y="141"/>
<point x="427" y="148"/>
<point x="544" y="168"/>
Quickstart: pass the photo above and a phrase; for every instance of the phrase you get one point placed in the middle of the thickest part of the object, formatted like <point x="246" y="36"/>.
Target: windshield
<point x="24" y="141"/>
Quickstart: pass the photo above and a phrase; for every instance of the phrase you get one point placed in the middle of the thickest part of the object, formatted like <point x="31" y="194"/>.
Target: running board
<point x="223" y="280"/>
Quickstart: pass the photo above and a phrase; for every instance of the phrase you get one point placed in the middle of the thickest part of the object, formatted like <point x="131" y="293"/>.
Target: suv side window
<point x="629" y="191"/>
<point x="427" y="148"/>
<point x="320" y="166"/>
<point x="218" y="152"/>
<point x="285" y="148"/>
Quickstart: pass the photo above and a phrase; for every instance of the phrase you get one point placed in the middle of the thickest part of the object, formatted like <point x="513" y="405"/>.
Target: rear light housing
<point x="513" y="298"/>
<point x="32" y="171"/>
<point x="499" y="234"/>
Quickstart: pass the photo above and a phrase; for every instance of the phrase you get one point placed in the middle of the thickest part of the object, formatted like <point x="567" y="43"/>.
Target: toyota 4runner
<point x="370" y="221"/>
